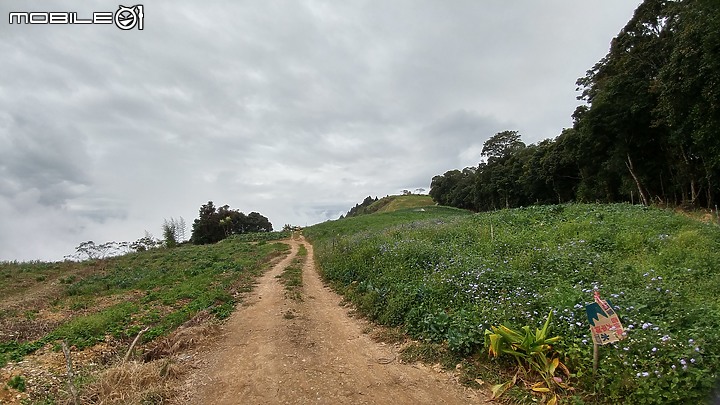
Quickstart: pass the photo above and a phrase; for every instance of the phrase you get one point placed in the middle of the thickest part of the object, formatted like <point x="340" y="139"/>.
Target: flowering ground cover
<point x="445" y="276"/>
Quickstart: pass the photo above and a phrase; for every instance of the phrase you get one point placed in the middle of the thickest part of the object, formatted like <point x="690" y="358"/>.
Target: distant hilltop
<point x="389" y="203"/>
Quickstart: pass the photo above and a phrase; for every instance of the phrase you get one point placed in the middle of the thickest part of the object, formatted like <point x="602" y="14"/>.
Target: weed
<point x="17" y="382"/>
<point x="291" y="277"/>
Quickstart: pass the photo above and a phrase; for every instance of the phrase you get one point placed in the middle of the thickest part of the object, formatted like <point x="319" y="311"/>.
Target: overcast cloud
<point x="295" y="109"/>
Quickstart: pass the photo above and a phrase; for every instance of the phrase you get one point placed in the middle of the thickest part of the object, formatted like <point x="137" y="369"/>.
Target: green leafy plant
<point x="17" y="382"/>
<point x="533" y="352"/>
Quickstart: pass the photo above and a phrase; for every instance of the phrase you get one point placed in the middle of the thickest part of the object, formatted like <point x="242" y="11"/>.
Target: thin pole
<point x="596" y="357"/>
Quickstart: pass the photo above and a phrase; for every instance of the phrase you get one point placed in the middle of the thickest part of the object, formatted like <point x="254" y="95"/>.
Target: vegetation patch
<point x="114" y="298"/>
<point x="390" y="203"/>
<point x="446" y="278"/>
<point x="291" y="277"/>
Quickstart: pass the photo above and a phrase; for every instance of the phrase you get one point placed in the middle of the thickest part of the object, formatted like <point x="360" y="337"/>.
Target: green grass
<point x="260" y="236"/>
<point x="400" y="202"/>
<point x="291" y="277"/>
<point x="446" y="276"/>
<point x="381" y="221"/>
<point x="160" y="289"/>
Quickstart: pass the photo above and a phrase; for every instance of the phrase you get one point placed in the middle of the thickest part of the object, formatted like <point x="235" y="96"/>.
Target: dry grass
<point x="155" y="380"/>
<point x="134" y="383"/>
<point x="193" y="333"/>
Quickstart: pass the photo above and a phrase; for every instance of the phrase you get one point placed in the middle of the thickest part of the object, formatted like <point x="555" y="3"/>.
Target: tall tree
<point x="689" y="102"/>
<point x="501" y="145"/>
<point x="621" y="92"/>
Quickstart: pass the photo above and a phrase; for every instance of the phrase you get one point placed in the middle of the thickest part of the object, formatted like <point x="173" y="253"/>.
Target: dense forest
<point x="648" y="130"/>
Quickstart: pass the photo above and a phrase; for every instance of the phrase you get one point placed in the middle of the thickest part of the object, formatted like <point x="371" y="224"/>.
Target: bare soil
<point x="276" y="350"/>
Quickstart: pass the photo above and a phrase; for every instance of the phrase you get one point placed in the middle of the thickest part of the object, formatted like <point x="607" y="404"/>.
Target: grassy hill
<point x="390" y="203"/>
<point x="98" y="307"/>
<point x="399" y="202"/>
<point x="444" y="277"/>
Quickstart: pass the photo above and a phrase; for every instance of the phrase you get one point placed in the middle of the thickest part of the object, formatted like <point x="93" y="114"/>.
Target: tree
<point x="91" y="251"/>
<point x="501" y="145"/>
<point x="455" y="188"/>
<point x="173" y="231"/>
<point x="689" y="93"/>
<point x="215" y="224"/>
<point x="648" y="130"/>
<point x="147" y="242"/>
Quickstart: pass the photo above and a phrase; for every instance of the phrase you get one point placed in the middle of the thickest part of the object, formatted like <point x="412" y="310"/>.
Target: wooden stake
<point x="492" y="233"/>
<point x="70" y="374"/>
<point x="596" y="357"/>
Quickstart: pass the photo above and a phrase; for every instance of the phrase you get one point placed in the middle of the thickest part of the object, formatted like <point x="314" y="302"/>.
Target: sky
<point x="294" y="109"/>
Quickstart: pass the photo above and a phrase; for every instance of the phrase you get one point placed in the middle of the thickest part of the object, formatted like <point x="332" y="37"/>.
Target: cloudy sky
<point x="295" y="109"/>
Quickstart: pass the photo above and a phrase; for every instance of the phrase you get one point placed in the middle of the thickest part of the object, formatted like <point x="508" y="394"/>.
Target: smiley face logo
<point x="127" y="18"/>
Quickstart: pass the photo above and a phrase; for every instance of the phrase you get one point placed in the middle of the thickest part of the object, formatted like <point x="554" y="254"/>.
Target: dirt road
<point x="276" y="350"/>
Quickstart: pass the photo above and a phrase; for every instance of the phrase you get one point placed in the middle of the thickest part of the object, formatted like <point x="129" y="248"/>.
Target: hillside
<point x="398" y="202"/>
<point x="445" y="277"/>
<point x="98" y="307"/>
<point x="389" y="204"/>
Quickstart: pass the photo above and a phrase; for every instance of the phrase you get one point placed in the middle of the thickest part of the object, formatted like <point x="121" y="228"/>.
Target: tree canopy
<point x="215" y="224"/>
<point x="647" y="131"/>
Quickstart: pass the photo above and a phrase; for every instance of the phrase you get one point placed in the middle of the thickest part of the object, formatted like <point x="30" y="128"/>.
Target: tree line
<point x="648" y="130"/>
<point x="360" y="209"/>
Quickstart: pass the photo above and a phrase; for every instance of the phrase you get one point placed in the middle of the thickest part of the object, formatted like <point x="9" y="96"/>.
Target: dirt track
<point x="317" y="355"/>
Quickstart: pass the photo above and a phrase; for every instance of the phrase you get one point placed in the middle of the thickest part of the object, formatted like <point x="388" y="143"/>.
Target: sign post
<point x="605" y="326"/>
